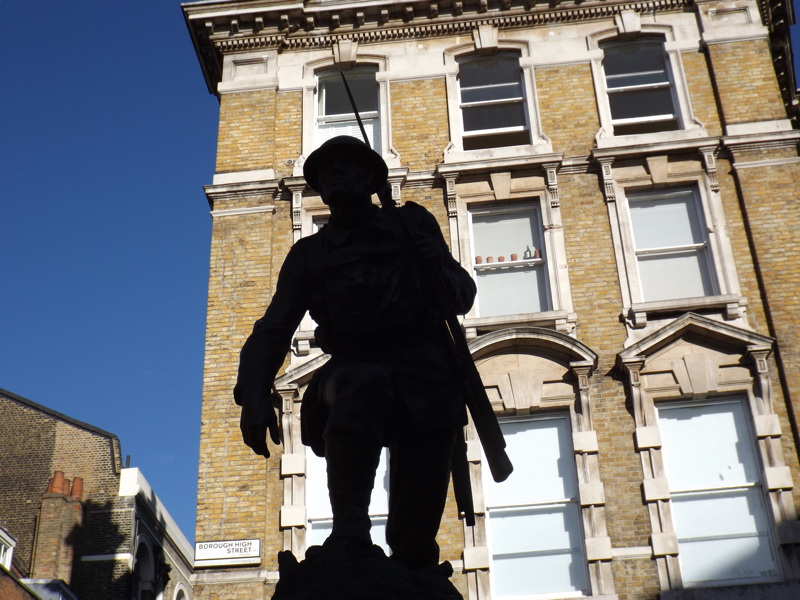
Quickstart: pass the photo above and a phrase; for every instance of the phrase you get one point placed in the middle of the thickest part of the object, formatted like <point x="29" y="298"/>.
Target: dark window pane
<point x="489" y="71"/>
<point x="641" y="103"/>
<point x="493" y="92"/>
<point x="334" y="100"/>
<point x="494" y="116"/>
<point x="633" y="57"/>
<point x="497" y="140"/>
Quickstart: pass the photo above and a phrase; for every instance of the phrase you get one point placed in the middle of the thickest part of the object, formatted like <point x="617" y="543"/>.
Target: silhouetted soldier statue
<point x="391" y="379"/>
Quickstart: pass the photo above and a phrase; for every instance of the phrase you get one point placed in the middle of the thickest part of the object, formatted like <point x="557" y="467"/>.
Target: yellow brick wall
<point x="769" y="202"/>
<point x="568" y="108"/>
<point x="246" y="125"/>
<point x="287" y="134"/>
<point x="701" y="91"/>
<point x="240" y="284"/>
<point x="746" y="84"/>
<point x="419" y="122"/>
<point x="597" y="301"/>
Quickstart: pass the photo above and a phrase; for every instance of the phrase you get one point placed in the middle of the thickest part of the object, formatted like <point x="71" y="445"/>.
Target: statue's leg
<point x="351" y="475"/>
<point x="358" y="397"/>
<point x="419" y="473"/>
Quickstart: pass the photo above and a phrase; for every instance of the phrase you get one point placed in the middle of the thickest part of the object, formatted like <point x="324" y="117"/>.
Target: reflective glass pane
<point x="707" y="445"/>
<point x="326" y="131"/>
<point x="318" y="504"/>
<point x="664" y="221"/>
<point x="494" y="116"/>
<point x="535" y="529"/>
<point x="549" y="574"/>
<point x="717" y="514"/>
<point x="333" y="98"/>
<point x="675" y="275"/>
<point x="496" y="140"/>
<point x="486" y="93"/>
<point x="490" y="70"/>
<point x="512" y="291"/>
<point x="504" y="233"/>
<point x="318" y="532"/>
<point x="536" y="549"/>
<point x="742" y="560"/>
<point x="544" y="464"/>
<point x="641" y="104"/>
<point x="634" y="63"/>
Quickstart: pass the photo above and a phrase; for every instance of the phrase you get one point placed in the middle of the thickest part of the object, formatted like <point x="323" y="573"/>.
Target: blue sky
<point x="107" y="135"/>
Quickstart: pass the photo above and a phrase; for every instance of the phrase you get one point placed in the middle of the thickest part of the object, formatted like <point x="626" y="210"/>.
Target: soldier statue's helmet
<point x="353" y="147"/>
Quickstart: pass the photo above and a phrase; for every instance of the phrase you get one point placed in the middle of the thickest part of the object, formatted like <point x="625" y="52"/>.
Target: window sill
<point x="560" y="320"/>
<point x="490" y="156"/>
<point x="732" y="307"/>
<point x="606" y="140"/>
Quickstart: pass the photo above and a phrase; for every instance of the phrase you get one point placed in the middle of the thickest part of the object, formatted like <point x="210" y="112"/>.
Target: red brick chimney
<point x="58" y="529"/>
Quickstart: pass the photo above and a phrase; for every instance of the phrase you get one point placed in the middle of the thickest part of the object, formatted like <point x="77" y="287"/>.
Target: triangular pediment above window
<point x="301" y="375"/>
<point x="695" y="330"/>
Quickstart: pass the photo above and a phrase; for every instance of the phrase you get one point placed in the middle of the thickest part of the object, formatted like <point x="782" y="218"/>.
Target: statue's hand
<point x="430" y="248"/>
<point x="258" y="417"/>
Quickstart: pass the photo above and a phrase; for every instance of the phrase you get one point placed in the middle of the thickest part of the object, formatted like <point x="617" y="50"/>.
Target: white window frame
<point x="347" y="122"/>
<point x="628" y="27"/>
<point x="465" y="62"/>
<point x="573" y="502"/>
<point x="668" y="84"/>
<point x="701" y="248"/>
<point x="454" y="152"/>
<point x="637" y="311"/>
<point x="553" y="253"/>
<point x="538" y="256"/>
<point x="757" y="486"/>
<point x="308" y="84"/>
<point x="7" y="545"/>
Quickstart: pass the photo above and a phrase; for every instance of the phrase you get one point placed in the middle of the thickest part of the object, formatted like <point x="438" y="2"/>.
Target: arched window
<point x="144" y="575"/>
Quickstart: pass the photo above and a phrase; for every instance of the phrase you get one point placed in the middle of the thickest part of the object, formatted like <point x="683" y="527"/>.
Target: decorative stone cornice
<point x="237" y="25"/>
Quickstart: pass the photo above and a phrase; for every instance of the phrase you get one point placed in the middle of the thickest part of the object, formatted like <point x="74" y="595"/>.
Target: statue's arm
<point x="265" y="350"/>
<point x="460" y="286"/>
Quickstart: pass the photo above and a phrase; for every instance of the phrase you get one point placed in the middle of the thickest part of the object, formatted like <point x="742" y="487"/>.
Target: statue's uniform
<point x="391" y="380"/>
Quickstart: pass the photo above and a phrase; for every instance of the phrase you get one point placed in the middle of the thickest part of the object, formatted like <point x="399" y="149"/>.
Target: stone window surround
<point x="7" y="545"/>
<point x="652" y="173"/>
<point x="182" y="588"/>
<point x="628" y="26"/>
<point x="345" y="56"/>
<point x="503" y="188"/>
<point x="486" y="40"/>
<point x="580" y="362"/>
<point x="697" y="378"/>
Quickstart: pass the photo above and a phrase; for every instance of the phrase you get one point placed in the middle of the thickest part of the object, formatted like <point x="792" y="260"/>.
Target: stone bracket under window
<point x="561" y="321"/>
<point x="709" y="154"/>
<point x="732" y="307"/>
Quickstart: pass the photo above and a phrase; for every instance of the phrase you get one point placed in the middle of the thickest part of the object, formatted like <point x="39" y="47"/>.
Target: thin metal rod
<point x="355" y="110"/>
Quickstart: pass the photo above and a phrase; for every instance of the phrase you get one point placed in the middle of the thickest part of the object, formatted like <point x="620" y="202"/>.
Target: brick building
<point x="620" y="178"/>
<point x="75" y="524"/>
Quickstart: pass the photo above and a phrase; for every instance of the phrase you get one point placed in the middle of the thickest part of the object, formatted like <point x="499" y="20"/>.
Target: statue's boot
<point x="351" y="475"/>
